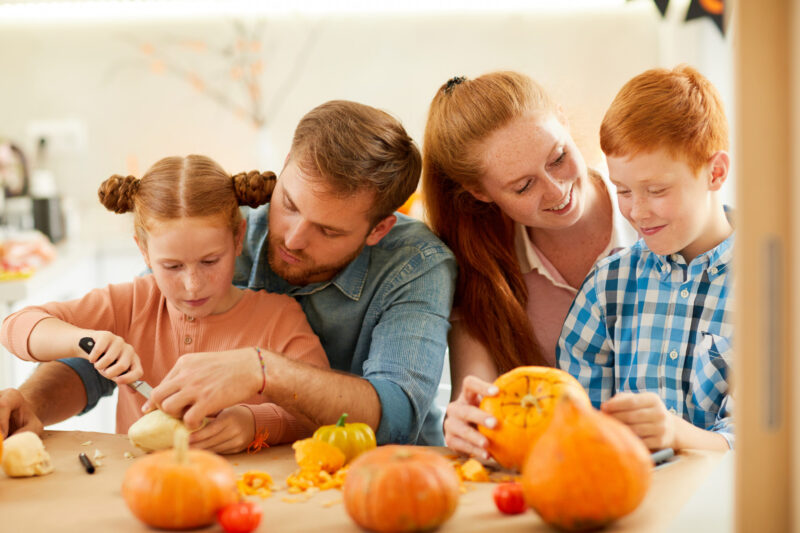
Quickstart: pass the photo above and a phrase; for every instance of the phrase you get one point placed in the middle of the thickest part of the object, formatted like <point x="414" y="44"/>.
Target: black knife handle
<point x="86" y="344"/>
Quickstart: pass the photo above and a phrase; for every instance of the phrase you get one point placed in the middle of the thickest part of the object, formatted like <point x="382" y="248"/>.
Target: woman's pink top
<point x="159" y="334"/>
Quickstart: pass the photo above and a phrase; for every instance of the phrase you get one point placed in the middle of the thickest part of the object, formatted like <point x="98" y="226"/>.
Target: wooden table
<point x="69" y="499"/>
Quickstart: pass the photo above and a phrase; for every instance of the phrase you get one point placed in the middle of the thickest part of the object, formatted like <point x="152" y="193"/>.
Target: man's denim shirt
<point x="383" y="317"/>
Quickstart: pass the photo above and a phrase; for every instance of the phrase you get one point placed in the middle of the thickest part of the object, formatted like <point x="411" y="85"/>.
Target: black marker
<point x="86" y="462"/>
<point x="662" y="456"/>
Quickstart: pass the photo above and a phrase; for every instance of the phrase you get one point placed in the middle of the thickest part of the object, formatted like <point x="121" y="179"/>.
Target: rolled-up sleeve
<point x="96" y="385"/>
<point x="408" y="346"/>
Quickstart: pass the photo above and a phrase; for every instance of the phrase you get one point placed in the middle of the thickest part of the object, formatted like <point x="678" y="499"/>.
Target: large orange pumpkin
<point x="523" y="408"/>
<point x="587" y="470"/>
<point x="180" y="488"/>
<point x="400" y="488"/>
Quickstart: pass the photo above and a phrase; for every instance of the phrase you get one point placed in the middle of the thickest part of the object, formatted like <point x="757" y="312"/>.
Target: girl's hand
<point x="463" y="416"/>
<point x="114" y="358"/>
<point x="230" y="432"/>
<point x="646" y="415"/>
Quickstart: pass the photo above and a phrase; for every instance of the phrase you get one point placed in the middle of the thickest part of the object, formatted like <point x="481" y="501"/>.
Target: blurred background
<point x="94" y="88"/>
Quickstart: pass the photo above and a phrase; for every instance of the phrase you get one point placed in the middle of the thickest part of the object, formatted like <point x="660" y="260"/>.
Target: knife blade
<point x="140" y="386"/>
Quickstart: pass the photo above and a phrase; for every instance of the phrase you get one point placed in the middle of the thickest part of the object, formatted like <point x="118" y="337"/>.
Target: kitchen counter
<point x="69" y="499"/>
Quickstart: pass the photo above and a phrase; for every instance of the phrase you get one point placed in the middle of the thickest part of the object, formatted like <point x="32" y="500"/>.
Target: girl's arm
<point x="115" y="359"/>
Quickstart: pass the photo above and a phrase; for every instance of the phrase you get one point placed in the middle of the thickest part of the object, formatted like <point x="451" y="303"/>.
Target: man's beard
<point x="308" y="272"/>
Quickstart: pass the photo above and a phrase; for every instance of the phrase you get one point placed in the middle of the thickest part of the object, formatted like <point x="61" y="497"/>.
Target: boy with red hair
<point x="649" y="332"/>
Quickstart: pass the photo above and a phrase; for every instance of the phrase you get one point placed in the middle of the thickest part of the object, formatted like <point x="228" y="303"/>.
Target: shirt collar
<point x="716" y="260"/>
<point x="350" y="280"/>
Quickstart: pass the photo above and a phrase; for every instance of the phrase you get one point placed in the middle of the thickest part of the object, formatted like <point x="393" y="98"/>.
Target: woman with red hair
<point x="506" y="188"/>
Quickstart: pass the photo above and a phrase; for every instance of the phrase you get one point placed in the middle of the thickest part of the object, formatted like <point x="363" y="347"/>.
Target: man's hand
<point x="16" y="415"/>
<point x="203" y="384"/>
<point x="646" y="415"/>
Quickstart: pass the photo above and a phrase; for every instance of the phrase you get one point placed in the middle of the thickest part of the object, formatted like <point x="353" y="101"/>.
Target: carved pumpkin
<point x="180" y="488"/>
<point x="523" y="408"/>
<point x="400" y="488"/>
<point x="587" y="470"/>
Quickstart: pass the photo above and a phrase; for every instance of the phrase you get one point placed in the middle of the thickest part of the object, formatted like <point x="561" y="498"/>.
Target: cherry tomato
<point x="509" y="499"/>
<point x="242" y="517"/>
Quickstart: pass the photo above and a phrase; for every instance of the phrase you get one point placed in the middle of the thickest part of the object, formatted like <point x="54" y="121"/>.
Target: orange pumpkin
<point x="398" y="488"/>
<point x="180" y="488"/>
<point x="523" y="409"/>
<point x="587" y="470"/>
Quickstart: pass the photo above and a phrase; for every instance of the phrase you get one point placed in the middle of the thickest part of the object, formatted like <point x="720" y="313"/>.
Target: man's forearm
<point x="320" y="396"/>
<point x="55" y="392"/>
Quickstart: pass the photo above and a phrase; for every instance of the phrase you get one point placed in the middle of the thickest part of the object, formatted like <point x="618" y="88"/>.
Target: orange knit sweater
<point x="139" y="313"/>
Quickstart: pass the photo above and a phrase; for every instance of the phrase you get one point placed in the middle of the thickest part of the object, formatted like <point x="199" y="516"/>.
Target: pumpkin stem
<point x="180" y="441"/>
<point x="529" y="400"/>
<point x="340" y="422"/>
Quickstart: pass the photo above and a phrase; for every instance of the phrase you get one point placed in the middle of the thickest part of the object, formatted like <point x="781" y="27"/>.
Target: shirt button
<point x="673" y="411"/>
<point x="673" y="354"/>
<point x="684" y="293"/>
<point x="190" y="318"/>
<point x="187" y="340"/>
<point x="713" y="270"/>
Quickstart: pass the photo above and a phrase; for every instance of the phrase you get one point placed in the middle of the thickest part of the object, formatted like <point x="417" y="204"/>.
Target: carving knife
<point x="140" y="386"/>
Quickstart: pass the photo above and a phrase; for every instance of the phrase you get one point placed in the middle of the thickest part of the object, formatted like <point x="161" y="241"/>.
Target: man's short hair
<point x="355" y="147"/>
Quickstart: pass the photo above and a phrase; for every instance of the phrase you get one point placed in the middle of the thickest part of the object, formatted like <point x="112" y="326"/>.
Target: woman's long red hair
<point x="491" y="294"/>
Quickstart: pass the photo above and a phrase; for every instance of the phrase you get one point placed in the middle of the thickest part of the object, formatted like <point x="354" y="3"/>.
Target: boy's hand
<point x="646" y="415"/>
<point x="114" y="358"/>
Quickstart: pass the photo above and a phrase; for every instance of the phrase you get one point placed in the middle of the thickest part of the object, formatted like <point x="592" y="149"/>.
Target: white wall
<point x="95" y="72"/>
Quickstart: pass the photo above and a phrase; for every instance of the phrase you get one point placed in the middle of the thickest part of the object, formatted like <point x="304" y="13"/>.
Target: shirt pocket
<point x="713" y="357"/>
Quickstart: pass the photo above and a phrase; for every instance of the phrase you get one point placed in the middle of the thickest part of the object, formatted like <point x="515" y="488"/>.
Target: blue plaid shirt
<point x="646" y="322"/>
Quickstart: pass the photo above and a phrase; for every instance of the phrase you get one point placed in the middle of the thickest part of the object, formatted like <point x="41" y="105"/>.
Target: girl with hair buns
<point x="506" y="188"/>
<point x="189" y="230"/>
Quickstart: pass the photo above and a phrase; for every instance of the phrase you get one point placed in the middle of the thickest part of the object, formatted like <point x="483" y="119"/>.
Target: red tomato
<point x="242" y="517"/>
<point x="509" y="499"/>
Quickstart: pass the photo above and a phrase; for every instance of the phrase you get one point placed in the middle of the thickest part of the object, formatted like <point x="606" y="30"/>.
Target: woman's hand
<point x="231" y="431"/>
<point x="463" y="416"/>
<point x="114" y="358"/>
<point x="205" y="383"/>
<point x="646" y="415"/>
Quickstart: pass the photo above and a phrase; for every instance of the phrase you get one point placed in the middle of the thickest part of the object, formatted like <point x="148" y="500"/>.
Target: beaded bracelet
<point x="263" y="369"/>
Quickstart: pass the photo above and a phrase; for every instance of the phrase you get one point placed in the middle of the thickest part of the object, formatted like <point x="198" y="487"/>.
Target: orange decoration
<point x="411" y="204"/>
<point x="714" y="7"/>
<point x="587" y="470"/>
<point x="523" y="409"/>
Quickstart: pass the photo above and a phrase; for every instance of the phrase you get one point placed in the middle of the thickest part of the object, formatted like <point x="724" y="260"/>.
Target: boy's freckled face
<point x="665" y="201"/>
